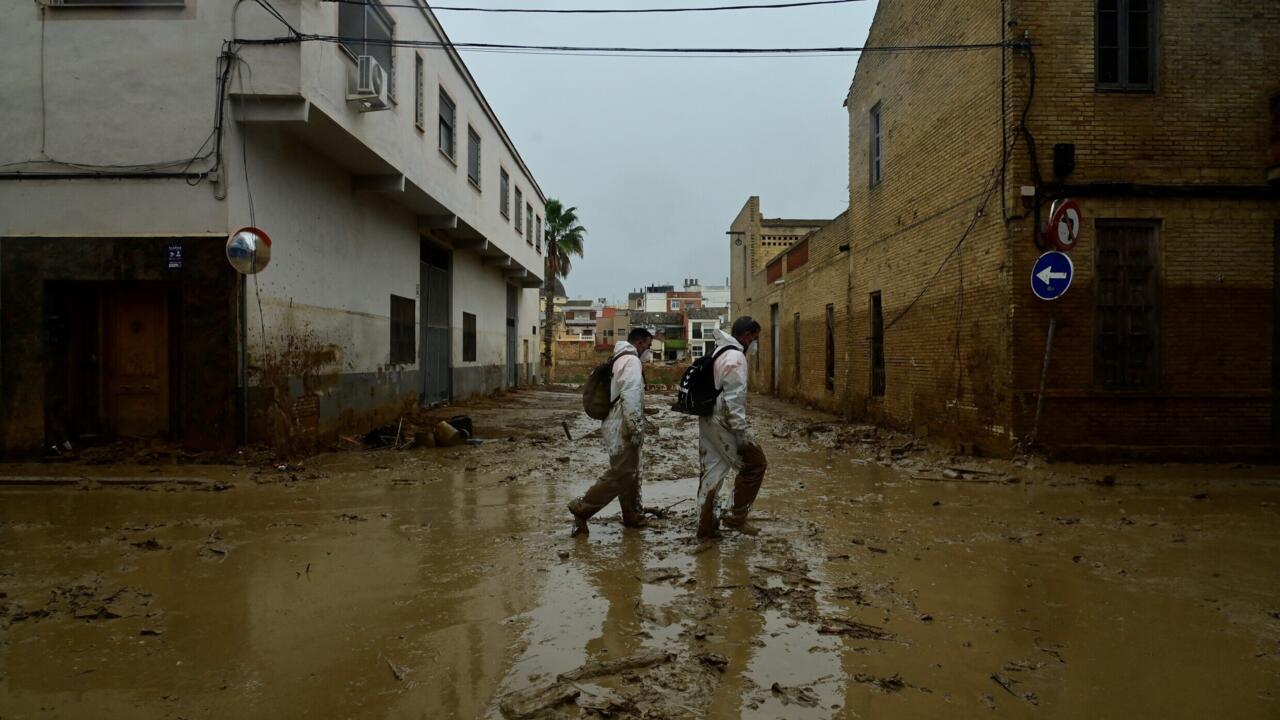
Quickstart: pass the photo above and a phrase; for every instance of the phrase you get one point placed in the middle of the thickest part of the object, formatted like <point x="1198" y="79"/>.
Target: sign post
<point x="1050" y="278"/>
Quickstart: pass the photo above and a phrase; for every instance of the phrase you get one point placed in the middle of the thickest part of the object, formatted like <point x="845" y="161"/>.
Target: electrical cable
<point x="1006" y="153"/>
<point x="576" y="49"/>
<point x="601" y="11"/>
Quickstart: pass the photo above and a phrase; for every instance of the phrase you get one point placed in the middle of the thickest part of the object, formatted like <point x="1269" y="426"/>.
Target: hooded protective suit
<point x="726" y="444"/>
<point x="623" y="432"/>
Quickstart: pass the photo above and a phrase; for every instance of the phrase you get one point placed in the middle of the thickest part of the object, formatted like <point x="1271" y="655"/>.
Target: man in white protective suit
<point x="726" y="444"/>
<point x="623" y="432"/>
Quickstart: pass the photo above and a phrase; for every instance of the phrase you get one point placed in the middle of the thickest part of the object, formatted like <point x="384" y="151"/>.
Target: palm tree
<point x="564" y="238"/>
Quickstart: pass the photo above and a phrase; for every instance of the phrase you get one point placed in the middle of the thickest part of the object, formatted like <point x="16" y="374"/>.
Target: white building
<point x="406" y="226"/>
<point x="701" y="327"/>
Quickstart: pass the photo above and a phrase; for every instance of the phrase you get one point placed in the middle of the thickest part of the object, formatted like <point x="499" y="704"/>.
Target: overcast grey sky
<point x="659" y="154"/>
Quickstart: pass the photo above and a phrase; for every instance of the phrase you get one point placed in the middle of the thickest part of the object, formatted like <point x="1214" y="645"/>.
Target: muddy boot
<point x="579" y="519"/>
<point x="708" y="523"/>
<point x="741" y="526"/>
<point x="636" y="523"/>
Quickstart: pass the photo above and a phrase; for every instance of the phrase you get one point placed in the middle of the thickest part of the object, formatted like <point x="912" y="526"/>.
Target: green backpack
<point x="597" y="389"/>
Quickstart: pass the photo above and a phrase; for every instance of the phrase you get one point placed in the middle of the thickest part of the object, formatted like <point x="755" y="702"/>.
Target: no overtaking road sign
<point x="1052" y="275"/>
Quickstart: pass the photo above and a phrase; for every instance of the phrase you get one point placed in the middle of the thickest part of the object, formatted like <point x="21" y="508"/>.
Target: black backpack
<point x="697" y="394"/>
<point x="596" y="390"/>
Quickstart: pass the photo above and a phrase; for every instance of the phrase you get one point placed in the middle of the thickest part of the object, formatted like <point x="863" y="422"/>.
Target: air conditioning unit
<point x="368" y="87"/>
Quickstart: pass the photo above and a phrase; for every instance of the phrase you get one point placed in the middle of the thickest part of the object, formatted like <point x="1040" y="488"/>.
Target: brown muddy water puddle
<point x="437" y="584"/>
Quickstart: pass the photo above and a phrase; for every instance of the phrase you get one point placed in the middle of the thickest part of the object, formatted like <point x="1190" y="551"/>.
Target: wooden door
<point x="137" y="367"/>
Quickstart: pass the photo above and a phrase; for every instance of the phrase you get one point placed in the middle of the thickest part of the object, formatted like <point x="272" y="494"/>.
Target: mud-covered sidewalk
<point x="889" y="581"/>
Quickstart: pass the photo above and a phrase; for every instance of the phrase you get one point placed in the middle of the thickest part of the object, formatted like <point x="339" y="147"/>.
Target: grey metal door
<point x="434" y="352"/>
<point x="513" y="312"/>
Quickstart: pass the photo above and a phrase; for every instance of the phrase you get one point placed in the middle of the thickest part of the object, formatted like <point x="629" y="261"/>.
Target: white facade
<point x="701" y="334"/>
<point x="355" y="202"/>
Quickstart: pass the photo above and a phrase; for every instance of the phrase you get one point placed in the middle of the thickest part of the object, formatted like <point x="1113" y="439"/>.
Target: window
<point x="1127" y="318"/>
<point x="367" y="28"/>
<point x="504" y="193"/>
<point x="528" y="223"/>
<point x="468" y="337"/>
<point x="448" y="125"/>
<point x="831" y="348"/>
<point x="795" y="325"/>
<point x="419" y="110"/>
<point x="876" y="155"/>
<point x="537" y="236"/>
<point x="519" y="222"/>
<point x="473" y="156"/>
<point x="1124" y="44"/>
<point x="403" y="349"/>
<point x="877" y="346"/>
<point x="675" y="305"/>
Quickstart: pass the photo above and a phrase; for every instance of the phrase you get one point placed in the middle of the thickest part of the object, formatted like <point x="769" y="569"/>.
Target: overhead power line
<point x="622" y="50"/>
<point x="605" y="11"/>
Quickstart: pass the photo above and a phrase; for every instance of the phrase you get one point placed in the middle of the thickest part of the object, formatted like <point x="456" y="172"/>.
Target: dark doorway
<point x="513" y="313"/>
<point x="112" y="364"/>
<point x="434" y="350"/>
<point x="831" y="348"/>
<point x="136" y="382"/>
<point x="775" y="341"/>
<point x="877" y="346"/>
<point x="1275" y="337"/>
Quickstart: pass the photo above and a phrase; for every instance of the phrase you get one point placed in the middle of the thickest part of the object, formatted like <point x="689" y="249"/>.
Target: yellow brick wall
<point x="947" y="336"/>
<point x="965" y="341"/>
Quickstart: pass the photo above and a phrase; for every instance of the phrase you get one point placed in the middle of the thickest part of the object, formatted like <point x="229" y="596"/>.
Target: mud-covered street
<point x="889" y="581"/>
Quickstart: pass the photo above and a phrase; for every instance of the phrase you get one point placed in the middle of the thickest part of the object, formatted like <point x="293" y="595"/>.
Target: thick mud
<point x="888" y="581"/>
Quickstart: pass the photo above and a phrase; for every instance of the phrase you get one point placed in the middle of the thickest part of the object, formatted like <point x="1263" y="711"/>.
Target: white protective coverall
<point x="623" y="432"/>
<point x="726" y="444"/>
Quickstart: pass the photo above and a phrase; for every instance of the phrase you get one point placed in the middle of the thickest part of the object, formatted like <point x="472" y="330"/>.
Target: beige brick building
<point x="914" y="307"/>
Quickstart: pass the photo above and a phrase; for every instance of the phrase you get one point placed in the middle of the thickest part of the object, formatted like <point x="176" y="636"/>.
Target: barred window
<point x="1127" y="316"/>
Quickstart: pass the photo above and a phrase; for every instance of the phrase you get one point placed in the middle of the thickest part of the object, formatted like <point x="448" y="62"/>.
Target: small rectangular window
<point x="403" y="348"/>
<point x="419" y="109"/>
<point x="796" y="327"/>
<point x="1124" y="44"/>
<point x="473" y="156"/>
<point x="876" y="146"/>
<point x="1127" y="316"/>
<point x="519" y="225"/>
<point x="831" y="348"/>
<point x="877" y="346"/>
<point x="468" y="337"/>
<point x="367" y="29"/>
<point x="504" y="193"/>
<point x="537" y="236"/>
<point x="448" y="125"/>
<point x="528" y="223"/>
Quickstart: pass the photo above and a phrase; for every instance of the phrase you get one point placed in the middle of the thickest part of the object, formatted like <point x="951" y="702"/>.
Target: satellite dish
<point x="249" y="250"/>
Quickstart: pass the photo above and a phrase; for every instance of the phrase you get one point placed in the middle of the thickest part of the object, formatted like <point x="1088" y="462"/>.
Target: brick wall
<point x="946" y="338"/>
<point x="946" y="241"/>
<point x="1204" y="126"/>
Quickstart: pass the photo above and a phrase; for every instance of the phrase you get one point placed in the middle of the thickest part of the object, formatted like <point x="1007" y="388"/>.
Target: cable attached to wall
<point x="599" y="11"/>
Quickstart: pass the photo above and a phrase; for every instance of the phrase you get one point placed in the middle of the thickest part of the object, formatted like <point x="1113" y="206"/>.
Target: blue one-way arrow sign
<point x="1051" y="275"/>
